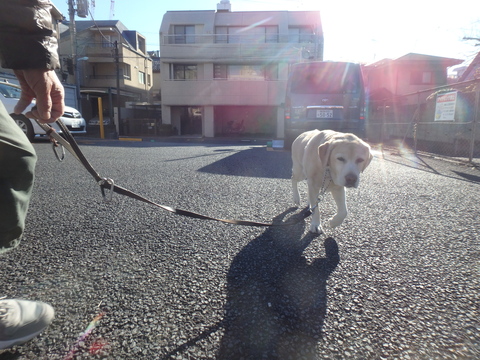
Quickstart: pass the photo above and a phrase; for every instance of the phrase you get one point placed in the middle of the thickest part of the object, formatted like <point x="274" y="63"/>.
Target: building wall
<point x="96" y="66"/>
<point x="409" y="74"/>
<point x="204" y="50"/>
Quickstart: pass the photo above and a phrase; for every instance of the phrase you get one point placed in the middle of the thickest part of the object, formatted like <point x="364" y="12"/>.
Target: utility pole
<point x="73" y="43"/>
<point x="117" y="68"/>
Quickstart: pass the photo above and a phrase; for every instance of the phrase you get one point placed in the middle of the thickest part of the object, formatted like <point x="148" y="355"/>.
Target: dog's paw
<point x="296" y="200"/>
<point x="333" y="222"/>
<point x="316" y="229"/>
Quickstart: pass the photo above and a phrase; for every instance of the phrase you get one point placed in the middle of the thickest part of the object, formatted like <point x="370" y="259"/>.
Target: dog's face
<point x="347" y="157"/>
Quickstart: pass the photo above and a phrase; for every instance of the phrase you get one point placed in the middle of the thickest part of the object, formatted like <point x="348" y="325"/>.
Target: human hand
<point x="44" y="86"/>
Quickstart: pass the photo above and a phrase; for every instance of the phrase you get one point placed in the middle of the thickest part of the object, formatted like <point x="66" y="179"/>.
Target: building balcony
<point x="97" y="52"/>
<point x="199" y="48"/>
<point x="110" y="81"/>
<point x="102" y="81"/>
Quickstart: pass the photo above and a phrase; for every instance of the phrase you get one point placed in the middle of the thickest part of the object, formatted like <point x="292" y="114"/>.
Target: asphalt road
<point x="398" y="280"/>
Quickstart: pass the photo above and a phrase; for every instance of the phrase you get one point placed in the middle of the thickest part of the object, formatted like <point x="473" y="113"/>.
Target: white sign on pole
<point x="445" y="106"/>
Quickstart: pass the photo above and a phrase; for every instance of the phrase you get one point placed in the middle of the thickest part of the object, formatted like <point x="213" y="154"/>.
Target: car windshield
<point x="326" y="78"/>
<point x="11" y="92"/>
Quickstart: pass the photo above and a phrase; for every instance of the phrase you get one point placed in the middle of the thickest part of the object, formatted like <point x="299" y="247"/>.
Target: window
<point x="246" y="35"/>
<point x="325" y="78"/>
<point x="127" y="72"/>
<point x="141" y="77"/>
<point x="427" y="78"/>
<point x="421" y="78"/>
<point x="271" y="34"/>
<point x="184" y="34"/>
<point x="107" y="41"/>
<point x="156" y="65"/>
<point x="220" y="71"/>
<point x="240" y="35"/>
<point x="221" y="35"/>
<point x="300" y="34"/>
<point x="142" y="45"/>
<point x="184" y="72"/>
<point x="246" y="72"/>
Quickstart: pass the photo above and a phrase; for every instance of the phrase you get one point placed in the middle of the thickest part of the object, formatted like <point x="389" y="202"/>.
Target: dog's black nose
<point x="350" y="180"/>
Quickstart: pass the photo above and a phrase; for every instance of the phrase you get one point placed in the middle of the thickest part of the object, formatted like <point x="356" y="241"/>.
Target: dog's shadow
<point x="276" y="300"/>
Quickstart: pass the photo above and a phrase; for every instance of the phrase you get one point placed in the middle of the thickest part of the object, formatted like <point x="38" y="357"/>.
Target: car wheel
<point x="24" y="124"/>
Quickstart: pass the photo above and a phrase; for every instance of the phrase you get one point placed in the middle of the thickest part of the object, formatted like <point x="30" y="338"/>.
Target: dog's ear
<point x="324" y="153"/>
<point x="369" y="157"/>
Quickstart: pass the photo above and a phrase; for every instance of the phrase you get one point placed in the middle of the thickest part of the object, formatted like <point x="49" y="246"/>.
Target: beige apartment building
<point x="112" y="64"/>
<point x="224" y="72"/>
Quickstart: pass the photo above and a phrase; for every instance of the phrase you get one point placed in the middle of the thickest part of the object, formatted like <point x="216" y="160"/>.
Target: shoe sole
<point x="18" y="341"/>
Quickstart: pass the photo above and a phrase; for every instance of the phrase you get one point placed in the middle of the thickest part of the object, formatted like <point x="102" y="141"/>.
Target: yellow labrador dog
<point x="345" y="155"/>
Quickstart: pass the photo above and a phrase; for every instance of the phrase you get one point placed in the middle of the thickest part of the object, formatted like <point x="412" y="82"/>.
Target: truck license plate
<point x="324" y="114"/>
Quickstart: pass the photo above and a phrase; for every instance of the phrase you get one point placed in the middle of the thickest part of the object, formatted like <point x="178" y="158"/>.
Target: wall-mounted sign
<point x="445" y="106"/>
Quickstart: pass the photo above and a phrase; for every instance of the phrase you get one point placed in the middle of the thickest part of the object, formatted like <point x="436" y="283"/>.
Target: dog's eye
<point x="360" y="160"/>
<point x="341" y="159"/>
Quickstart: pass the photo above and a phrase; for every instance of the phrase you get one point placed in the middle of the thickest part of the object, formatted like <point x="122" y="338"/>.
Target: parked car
<point x="9" y="96"/>
<point x="324" y="95"/>
<point x="95" y="121"/>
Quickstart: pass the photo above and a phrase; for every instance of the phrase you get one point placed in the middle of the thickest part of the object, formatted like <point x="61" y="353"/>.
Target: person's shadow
<point x="276" y="300"/>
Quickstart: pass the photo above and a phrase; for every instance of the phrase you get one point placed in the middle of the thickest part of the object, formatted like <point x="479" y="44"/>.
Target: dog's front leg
<point x="313" y="191"/>
<point x="297" y="176"/>
<point x="296" y="194"/>
<point x="338" y="193"/>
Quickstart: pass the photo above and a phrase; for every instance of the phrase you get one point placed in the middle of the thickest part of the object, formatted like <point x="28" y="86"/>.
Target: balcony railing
<point x="240" y="39"/>
<point x="100" y="50"/>
<point x="108" y="77"/>
<point x="200" y="48"/>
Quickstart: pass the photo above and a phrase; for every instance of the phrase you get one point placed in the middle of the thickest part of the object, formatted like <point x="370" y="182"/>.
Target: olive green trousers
<point x="17" y="168"/>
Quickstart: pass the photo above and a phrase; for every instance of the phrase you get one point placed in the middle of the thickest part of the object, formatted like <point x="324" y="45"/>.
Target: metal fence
<point x="443" y="120"/>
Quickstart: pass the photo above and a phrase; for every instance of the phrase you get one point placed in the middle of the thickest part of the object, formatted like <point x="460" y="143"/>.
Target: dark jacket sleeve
<point x="27" y="35"/>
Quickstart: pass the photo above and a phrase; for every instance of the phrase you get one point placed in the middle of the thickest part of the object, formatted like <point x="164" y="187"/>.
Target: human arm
<point x="28" y="44"/>
<point x="46" y="88"/>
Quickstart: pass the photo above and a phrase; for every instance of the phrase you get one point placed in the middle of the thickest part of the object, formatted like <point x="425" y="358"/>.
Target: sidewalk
<point x="187" y="138"/>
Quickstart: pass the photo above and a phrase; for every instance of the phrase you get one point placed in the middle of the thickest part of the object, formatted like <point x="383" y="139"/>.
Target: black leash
<point x="108" y="187"/>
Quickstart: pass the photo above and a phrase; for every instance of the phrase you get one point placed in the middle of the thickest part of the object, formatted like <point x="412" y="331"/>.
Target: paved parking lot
<point x="399" y="280"/>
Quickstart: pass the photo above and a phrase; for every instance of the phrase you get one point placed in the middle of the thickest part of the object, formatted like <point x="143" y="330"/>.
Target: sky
<point x="360" y="31"/>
